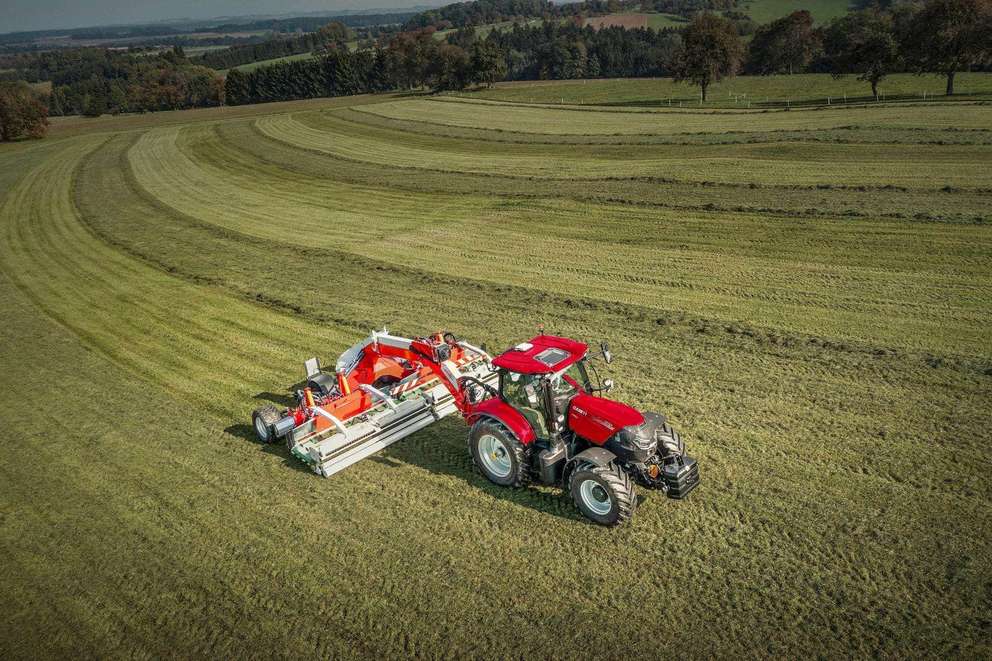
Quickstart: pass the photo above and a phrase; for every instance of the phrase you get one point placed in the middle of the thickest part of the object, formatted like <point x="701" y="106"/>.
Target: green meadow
<point x="806" y="293"/>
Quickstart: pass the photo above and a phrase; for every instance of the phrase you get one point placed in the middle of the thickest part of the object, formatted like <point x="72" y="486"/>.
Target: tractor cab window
<point x="577" y="373"/>
<point x="523" y="392"/>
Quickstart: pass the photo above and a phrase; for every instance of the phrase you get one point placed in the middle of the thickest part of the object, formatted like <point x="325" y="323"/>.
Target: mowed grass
<point x="741" y="92"/>
<point x="822" y="340"/>
<point x="841" y="164"/>
<point x="583" y="120"/>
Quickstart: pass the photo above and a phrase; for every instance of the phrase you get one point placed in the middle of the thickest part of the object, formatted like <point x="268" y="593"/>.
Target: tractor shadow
<point x="442" y="449"/>
<point x="246" y="432"/>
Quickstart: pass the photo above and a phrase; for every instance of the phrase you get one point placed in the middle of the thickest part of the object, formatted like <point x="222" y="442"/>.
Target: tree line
<point x="871" y="42"/>
<point x="417" y="59"/>
<point x="938" y="36"/>
<point x="411" y="59"/>
<point x="94" y="81"/>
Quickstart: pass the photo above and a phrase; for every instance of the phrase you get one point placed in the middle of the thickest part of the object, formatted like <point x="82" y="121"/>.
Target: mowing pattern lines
<point x="634" y="121"/>
<point x="850" y="165"/>
<point x="731" y="268"/>
<point x="832" y="373"/>
<point x="140" y="317"/>
<point x="949" y="205"/>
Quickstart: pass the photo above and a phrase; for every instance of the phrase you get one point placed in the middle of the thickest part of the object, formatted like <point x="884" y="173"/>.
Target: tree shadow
<point x="441" y="449"/>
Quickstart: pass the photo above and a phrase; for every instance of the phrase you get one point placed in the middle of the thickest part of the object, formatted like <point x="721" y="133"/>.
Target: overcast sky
<point x="16" y="15"/>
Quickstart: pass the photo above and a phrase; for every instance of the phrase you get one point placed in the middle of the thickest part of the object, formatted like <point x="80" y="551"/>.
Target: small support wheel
<point x="263" y="420"/>
<point x="604" y="494"/>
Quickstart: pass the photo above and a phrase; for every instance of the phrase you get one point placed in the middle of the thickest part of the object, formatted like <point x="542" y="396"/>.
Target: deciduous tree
<point x="864" y="43"/>
<point x="22" y="113"/>
<point x="783" y="46"/>
<point x="488" y="63"/>
<point x="711" y="51"/>
<point x="947" y="36"/>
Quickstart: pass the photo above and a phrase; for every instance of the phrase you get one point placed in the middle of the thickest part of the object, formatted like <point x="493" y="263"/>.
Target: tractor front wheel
<point x="262" y="420"/>
<point x="498" y="453"/>
<point x="604" y="494"/>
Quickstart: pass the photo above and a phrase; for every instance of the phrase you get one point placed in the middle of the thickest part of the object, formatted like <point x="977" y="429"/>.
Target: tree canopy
<point x="787" y="45"/>
<point x="711" y="51"/>
<point x="947" y="36"/>
<point x="22" y="113"/>
<point x="863" y="42"/>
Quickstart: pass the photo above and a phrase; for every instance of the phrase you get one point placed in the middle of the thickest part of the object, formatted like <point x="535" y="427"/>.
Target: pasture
<point x="742" y="93"/>
<point x="807" y="294"/>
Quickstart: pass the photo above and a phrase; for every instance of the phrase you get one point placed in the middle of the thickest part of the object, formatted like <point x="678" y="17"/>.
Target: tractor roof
<point x="543" y="354"/>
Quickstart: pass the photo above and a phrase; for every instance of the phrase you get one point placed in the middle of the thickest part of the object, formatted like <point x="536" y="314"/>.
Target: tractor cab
<point x="540" y="377"/>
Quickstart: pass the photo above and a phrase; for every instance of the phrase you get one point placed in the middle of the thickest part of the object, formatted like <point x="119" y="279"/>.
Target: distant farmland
<point x="807" y="293"/>
<point x="636" y="20"/>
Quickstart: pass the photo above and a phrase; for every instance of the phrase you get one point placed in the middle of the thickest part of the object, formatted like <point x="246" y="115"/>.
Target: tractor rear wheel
<point x="604" y="494"/>
<point x="262" y="420"/>
<point x="498" y="454"/>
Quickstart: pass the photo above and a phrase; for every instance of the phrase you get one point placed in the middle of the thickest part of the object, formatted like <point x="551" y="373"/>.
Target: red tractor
<point x="534" y="410"/>
<point x="545" y="420"/>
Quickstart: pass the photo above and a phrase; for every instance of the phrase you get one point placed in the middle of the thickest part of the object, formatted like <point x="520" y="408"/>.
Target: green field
<point x="251" y="66"/>
<point x="807" y="294"/>
<point x="823" y="11"/>
<point x="744" y="92"/>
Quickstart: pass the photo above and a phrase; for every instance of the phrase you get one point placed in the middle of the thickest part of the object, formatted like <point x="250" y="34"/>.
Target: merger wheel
<point x="604" y="494"/>
<point x="262" y="420"/>
<point x="498" y="454"/>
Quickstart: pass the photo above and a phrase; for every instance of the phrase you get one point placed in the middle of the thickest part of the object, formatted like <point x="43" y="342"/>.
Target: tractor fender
<point x="506" y="415"/>
<point x="598" y="457"/>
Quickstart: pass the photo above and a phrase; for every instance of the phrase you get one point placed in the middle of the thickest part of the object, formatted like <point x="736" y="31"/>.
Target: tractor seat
<point x="536" y="420"/>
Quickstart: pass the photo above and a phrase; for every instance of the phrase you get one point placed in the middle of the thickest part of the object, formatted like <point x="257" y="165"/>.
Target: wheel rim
<point x="596" y="497"/>
<point x="261" y="428"/>
<point x="494" y="456"/>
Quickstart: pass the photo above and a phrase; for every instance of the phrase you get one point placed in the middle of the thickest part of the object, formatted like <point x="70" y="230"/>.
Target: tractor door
<point x="524" y="392"/>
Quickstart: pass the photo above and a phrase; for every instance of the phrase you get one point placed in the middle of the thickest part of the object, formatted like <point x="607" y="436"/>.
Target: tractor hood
<point x="597" y="419"/>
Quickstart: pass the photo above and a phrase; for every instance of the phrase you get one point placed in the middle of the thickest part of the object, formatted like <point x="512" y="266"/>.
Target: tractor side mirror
<point x="607" y="385"/>
<point x="607" y="356"/>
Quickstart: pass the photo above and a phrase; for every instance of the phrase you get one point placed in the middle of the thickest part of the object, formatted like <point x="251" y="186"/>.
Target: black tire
<point x="670" y="444"/>
<point x="514" y="453"/>
<point x="612" y="483"/>
<point x="262" y="420"/>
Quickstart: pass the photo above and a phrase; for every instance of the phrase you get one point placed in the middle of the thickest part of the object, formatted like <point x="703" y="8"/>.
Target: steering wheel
<point x="471" y="386"/>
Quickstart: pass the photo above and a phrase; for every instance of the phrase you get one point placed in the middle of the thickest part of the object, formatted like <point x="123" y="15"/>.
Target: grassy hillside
<point x="807" y="294"/>
<point x="758" y="91"/>
<point x="637" y="20"/>
<point x="276" y="60"/>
